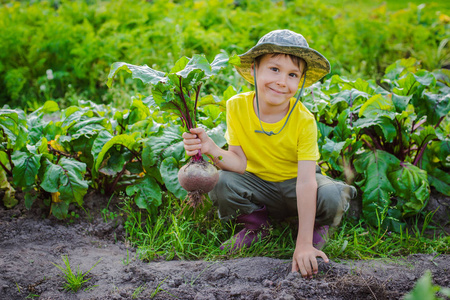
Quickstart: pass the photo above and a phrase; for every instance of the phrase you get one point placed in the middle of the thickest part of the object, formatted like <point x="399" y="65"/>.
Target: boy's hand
<point x="197" y="140"/>
<point x="305" y="262"/>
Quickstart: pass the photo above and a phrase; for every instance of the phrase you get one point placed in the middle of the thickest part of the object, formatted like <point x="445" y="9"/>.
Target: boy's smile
<point x="277" y="79"/>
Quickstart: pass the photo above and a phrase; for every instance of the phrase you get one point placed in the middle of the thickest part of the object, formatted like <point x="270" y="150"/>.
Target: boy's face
<point x="277" y="78"/>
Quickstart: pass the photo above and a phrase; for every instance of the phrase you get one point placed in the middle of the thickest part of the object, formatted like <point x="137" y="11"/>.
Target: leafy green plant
<point x="74" y="279"/>
<point x="61" y="51"/>
<point x="426" y="290"/>
<point x="392" y="139"/>
<point x="178" y="93"/>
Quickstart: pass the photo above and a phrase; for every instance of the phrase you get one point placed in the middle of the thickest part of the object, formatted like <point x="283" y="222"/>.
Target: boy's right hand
<point x="197" y="140"/>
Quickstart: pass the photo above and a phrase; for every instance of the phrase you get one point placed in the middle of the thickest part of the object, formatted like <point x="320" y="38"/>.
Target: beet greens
<point x="178" y="92"/>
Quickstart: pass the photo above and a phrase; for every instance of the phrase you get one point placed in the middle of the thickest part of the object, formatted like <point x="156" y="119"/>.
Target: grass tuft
<point x="75" y="279"/>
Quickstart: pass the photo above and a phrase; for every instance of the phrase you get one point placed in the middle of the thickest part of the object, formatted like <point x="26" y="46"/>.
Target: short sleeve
<point x="231" y="133"/>
<point x="308" y="148"/>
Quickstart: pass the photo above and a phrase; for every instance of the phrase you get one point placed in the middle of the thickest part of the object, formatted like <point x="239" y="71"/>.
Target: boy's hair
<point x="300" y="62"/>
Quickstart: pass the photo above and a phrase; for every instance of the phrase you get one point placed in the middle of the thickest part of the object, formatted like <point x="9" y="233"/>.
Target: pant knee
<point x="333" y="200"/>
<point x="231" y="196"/>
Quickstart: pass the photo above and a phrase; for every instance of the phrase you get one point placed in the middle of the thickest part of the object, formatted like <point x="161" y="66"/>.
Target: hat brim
<point x="317" y="66"/>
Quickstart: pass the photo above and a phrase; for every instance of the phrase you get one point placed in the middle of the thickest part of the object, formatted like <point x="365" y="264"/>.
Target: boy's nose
<point x="281" y="82"/>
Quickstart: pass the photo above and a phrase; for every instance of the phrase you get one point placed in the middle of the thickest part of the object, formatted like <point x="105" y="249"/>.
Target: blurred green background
<point x="62" y="50"/>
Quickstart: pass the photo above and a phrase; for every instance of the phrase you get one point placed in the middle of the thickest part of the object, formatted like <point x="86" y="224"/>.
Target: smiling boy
<point x="270" y="167"/>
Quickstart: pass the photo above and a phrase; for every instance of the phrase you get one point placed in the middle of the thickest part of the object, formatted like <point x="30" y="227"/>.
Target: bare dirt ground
<point x="30" y="246"/>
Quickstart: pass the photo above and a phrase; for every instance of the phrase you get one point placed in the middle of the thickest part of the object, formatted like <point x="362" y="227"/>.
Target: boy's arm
<point x="233" y="159"/>
<point x="304" y="259"/>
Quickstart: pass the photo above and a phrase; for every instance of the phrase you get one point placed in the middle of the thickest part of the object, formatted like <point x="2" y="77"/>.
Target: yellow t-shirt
<point x="273" y="158"/>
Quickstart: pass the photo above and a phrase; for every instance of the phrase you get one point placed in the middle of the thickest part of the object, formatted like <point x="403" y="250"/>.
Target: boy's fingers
<point x="294" y="266"/>
<point x="324" y="256"/>
<point x="307" y="264"/>
<point x="315" y="266"/>
<point x="192" y="141"/>
<point x="197" y="130"/>
<point x="303" y="270"/>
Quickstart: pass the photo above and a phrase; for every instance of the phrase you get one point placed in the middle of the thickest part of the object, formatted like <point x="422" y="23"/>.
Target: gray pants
<point x="237" y="194"/>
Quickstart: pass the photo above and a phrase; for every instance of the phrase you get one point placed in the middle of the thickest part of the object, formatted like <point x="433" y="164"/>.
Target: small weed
<point x="193" y="280"/>
<point x="126" y="260"/>
<point x="31" y="296"/>
<point x="74" y="280"/>
<point x="137" y="291"/>
<point x="107" y="214"/>
<point x="159" y="289"/>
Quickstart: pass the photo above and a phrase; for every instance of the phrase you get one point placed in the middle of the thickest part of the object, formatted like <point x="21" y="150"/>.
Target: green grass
<point x="180" y="234"/>
<point x="74" y="279"/>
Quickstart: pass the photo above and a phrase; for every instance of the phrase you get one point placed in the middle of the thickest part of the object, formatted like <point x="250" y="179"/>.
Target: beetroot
<point x="197" y="177"/>
<point x="178" y="92"/>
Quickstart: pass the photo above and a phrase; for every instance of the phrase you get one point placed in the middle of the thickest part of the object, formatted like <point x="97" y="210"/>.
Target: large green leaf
<point x="440" y="180"/>
<point x="102" y="138"/>
<point x="433" y="106"/>
<point x="385" y="124"/>
<point x="424" y="136"/>
<point x="377" y="106"/>
<point x="169" y="172"/>
<point x="411" y="186"/>
<point x="350" y="96"/>
<point x="9" y="199"/>
<point x="401" y="67"/>
<point x="431" y="161"/>
<point x="26" y="167"/>
<point x="400" y="102"/>
<point x="407" y="85"/>
<point x="65" y="177"/>
<point x="157" y="147"/>
<point x="376" y="187"/>
<point x="138" y="112"/>
<point x="146" y="74"/>
<point x="147" y="193"/>
<point x="128" y="141"/>
<point x="331" y="149"/>
<point x="87" y="127"/>
<point x="13" y="124"/>
<point x="60" y="209"/>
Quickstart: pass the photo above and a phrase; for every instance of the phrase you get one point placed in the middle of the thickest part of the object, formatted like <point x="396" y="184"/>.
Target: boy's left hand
<point x="305" y="262"/>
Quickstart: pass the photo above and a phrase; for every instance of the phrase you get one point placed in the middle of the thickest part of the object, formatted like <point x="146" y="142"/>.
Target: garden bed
<point x="31" y="245"/>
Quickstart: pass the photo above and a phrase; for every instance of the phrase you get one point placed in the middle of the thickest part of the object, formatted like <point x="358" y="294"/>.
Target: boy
<point x="270" y="165"/>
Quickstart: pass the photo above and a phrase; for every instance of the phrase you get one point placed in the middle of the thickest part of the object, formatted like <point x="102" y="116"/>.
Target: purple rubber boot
<point x="320" y="236"/>
<point x="256" y="226"/>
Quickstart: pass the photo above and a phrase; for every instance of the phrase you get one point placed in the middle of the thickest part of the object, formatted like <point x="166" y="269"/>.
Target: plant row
<point x="391" y="140"/>
<point x="62" y="50"/>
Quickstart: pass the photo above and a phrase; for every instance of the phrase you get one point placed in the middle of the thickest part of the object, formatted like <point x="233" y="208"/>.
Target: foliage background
<point x="62" y="50"/>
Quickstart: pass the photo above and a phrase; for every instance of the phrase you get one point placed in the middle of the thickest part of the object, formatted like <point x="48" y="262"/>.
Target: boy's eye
<point x="293" y="75"/>
<point x="274" y="69"/>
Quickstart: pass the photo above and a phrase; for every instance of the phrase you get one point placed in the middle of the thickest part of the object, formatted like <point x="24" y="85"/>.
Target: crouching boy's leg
<point x="333" y="200"/>
<point x="239" y="196"/>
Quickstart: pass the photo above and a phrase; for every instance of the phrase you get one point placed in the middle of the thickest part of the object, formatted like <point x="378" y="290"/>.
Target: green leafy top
<point x="177" y="91"/>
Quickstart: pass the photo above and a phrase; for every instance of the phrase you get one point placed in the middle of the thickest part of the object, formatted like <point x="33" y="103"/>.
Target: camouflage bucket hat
<point x="287" y="42"/>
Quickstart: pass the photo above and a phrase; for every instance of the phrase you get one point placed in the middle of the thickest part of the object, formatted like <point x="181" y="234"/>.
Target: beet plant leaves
<point x="176" y="93"/>
<point x="390" y="139"/>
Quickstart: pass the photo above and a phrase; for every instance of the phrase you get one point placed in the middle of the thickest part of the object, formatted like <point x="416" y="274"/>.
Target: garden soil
<point x="31" y="245"/>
